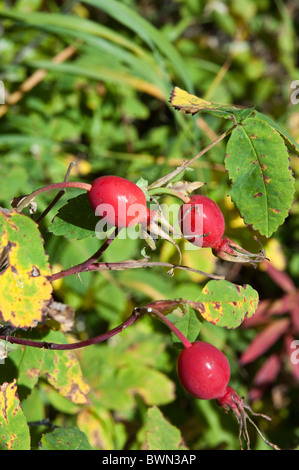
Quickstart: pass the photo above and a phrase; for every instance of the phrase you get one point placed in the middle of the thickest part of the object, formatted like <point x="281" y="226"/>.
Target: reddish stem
<point x="77" y="345"/>
<point x="168" y="323"/>
<point x="50" y="187"/>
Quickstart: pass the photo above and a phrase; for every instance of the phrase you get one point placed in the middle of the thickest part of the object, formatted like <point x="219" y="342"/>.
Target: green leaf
<point x="225" y="304"/>
<point x="189" y="324"/>
<point x="160" y="433"/>
<point x="14" y="431"/>
<point x="128" y="369"/>
<point x="24" y="287"/>
<point x="262" y="182"/>
<point x="65" y="439"/>
<point x="75" y="220"/>
<point x="29" y="363"/>
<point x="288" y="139"/>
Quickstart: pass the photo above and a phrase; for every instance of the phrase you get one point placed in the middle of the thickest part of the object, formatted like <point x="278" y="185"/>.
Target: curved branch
<point x="80" y="344"/>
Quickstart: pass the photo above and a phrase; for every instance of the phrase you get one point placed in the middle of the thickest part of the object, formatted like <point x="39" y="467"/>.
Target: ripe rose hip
<point x="201" y="221"/>
<point x="203" y="370"/>
<point x="119" y="200"/>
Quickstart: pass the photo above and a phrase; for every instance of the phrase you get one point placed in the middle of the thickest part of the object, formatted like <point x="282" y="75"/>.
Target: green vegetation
<point x="90" y="82"/>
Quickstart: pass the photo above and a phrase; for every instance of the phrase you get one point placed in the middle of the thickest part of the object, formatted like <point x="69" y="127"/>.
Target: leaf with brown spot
<point x="63" y="371"/>
<point x="14" y="431"/>
<point x="24" y="288"/>
<point x="262" y="183"/>
<point x="225" y="304"/>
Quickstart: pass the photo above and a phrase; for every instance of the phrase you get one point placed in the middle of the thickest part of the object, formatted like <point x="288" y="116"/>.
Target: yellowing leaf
<point x="63" y="372"/>
<point x="14" y="431"/>
<point x="184" y="101"/>
<point x="191" y="104"/>
<point x="225" y="304"/>
<point x="24" y="287"/>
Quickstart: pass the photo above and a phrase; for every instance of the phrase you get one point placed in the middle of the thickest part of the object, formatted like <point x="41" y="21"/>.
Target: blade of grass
<point x="155" y="39"/>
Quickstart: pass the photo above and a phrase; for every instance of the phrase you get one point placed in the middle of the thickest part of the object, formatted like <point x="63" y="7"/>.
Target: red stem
<point x="65" y="184"/>
<point x="77" y="345"/>
<point x="171" y="326"/>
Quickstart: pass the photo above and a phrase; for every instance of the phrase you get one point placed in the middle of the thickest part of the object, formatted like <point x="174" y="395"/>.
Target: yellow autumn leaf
<point x="24" y="287"/>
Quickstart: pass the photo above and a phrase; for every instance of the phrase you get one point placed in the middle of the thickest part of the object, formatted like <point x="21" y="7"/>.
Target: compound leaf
<point x="24" y="288"/>
<point x="14" y="431"/>
<point x="263" y="185"/>
<point x="226" y="304"/>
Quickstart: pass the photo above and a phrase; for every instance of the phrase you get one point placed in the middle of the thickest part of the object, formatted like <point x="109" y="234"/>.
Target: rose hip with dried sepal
<point x="204" y="372"/>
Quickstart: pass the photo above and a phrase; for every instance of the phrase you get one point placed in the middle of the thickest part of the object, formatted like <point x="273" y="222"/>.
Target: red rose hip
<point x="119" y="200"/>
<point x="203" y="370"/>
<point x="201" y="221"/>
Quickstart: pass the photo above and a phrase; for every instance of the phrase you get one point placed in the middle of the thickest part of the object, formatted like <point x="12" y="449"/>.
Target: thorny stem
<point x="80" y="344"/>
<point x="25" y="201"/>
<point x="165" y="179"/>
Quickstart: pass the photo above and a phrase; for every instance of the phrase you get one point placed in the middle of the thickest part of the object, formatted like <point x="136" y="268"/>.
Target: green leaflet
<point x="160" y="434"/>
<point x="65" y="439"/>
<point x="263" y="185"/>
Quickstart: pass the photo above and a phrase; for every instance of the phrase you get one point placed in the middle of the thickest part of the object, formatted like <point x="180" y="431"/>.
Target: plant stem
<point x="80" y="344"/>
<point x="119" y="266"/>
<point x="170" y="192"/>
<point x="86" y="265"/>
<point x="165" y="179"/>
<point x="25" y="201"/>
<point x="171" y="326"/>
<point x="58" y="195"/>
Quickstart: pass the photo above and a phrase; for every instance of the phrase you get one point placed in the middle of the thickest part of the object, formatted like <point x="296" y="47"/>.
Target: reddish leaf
<point x="266" y="309"/>
<point x="268" y="372"/>
<point x="265" y="376"/>
<point x="280" y="277"/>
<point x="280" y="306"/>
<point x="264" y="340"/>
<point x="295" y="314"/>
<point x="260" y="316"/>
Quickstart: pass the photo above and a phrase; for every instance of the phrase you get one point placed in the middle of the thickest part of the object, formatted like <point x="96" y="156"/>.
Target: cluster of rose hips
<point x="203" y="370"/>
<point x="201" y="221"/>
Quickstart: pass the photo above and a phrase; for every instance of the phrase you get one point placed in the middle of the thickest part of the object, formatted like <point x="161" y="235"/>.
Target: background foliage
<point x="106" y="106"/>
